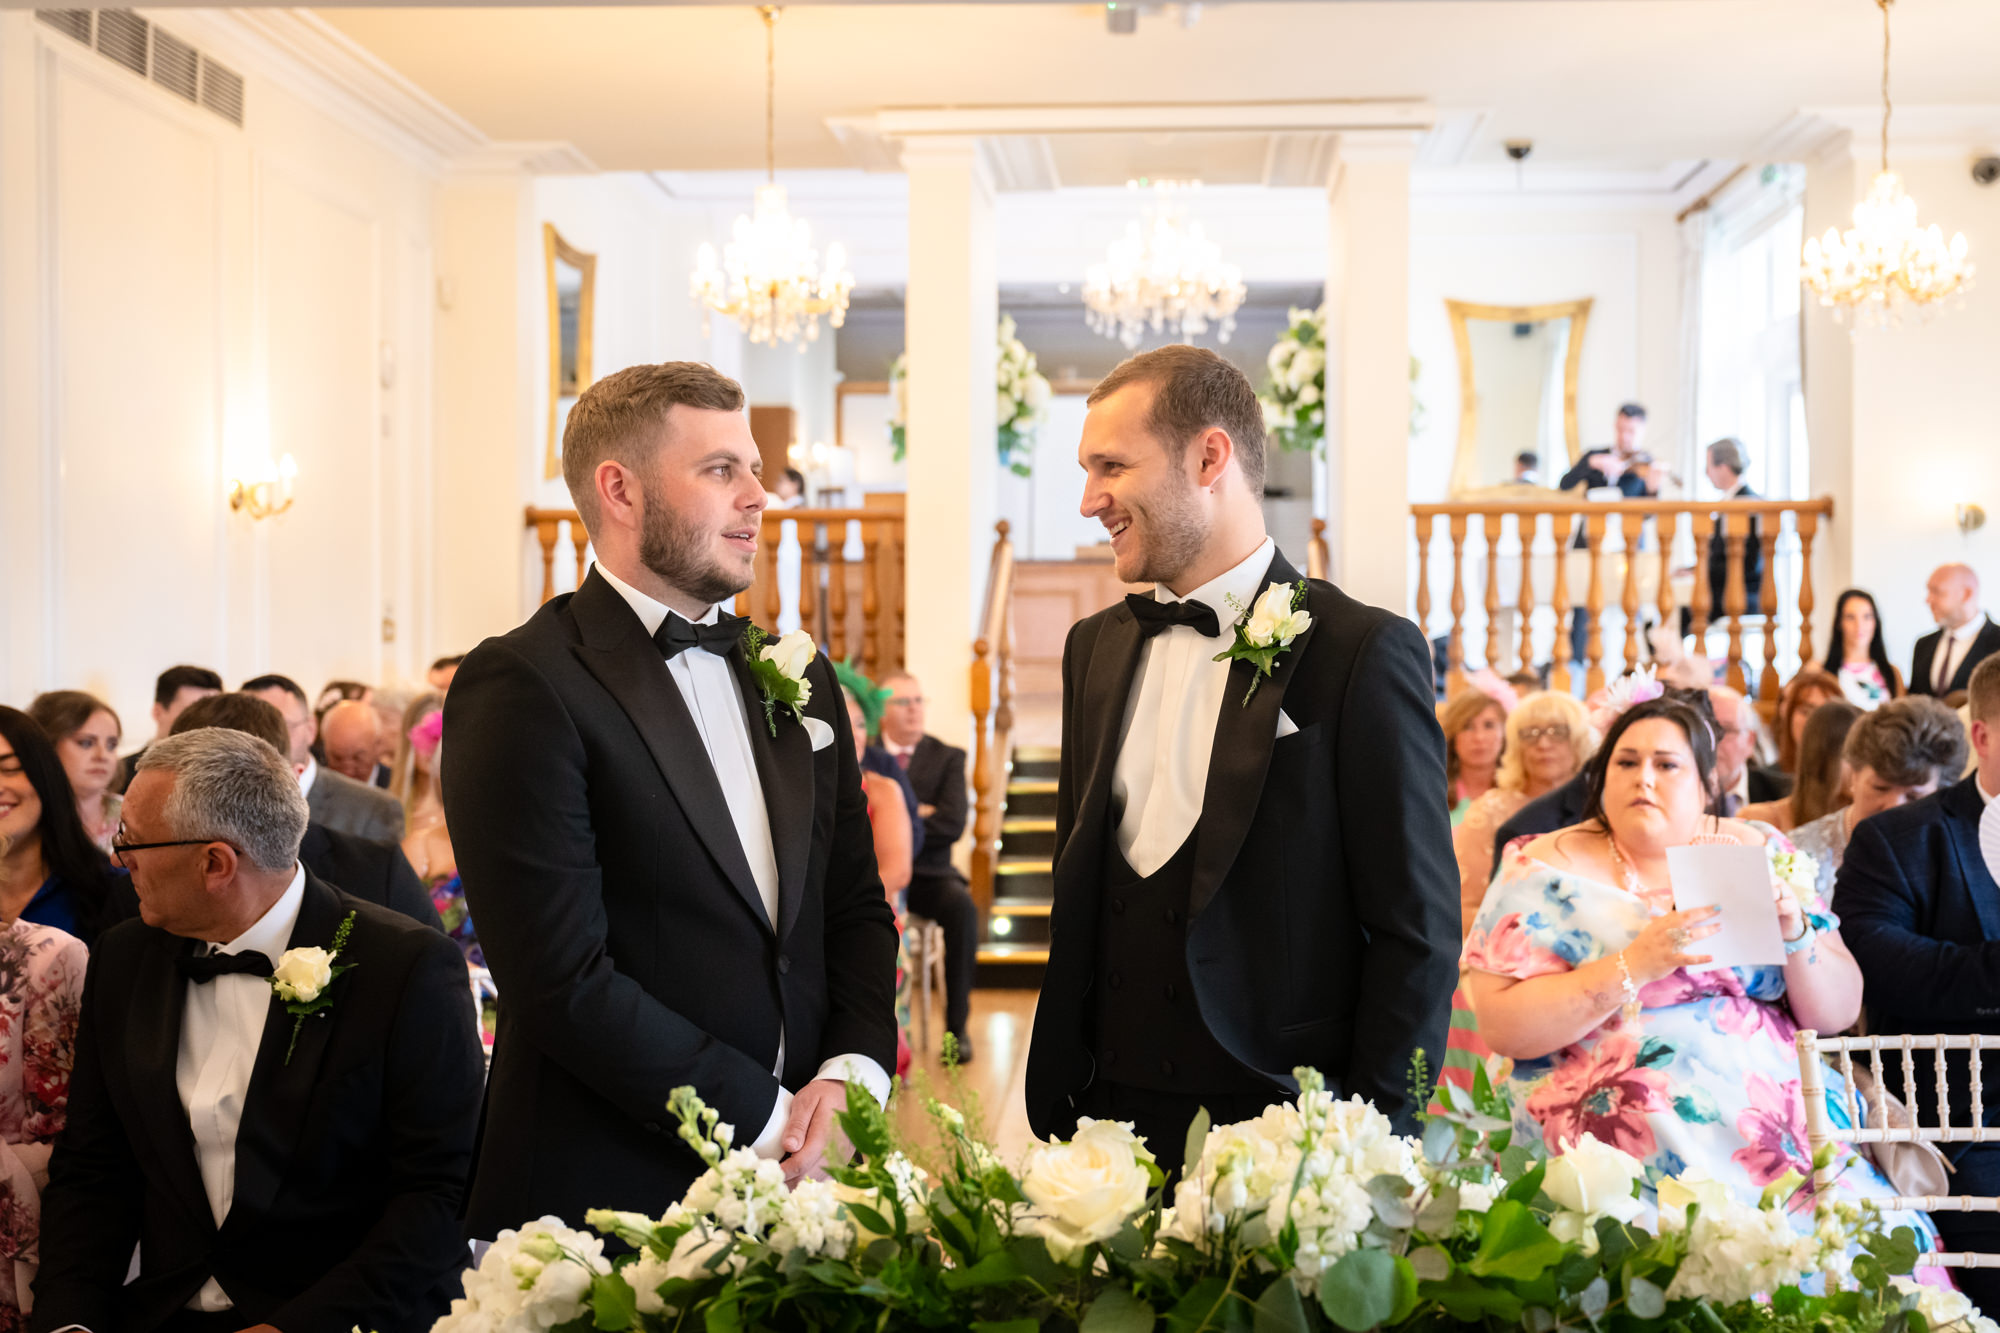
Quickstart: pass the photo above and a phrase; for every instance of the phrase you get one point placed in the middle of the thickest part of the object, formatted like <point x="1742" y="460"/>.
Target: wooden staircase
<point x="1015" y="946"/>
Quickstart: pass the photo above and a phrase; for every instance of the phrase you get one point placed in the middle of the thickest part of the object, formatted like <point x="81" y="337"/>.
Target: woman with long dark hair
<point x="1855" y="652"/>
<point x="54" y="875"/>
<point x="85" y="730"/>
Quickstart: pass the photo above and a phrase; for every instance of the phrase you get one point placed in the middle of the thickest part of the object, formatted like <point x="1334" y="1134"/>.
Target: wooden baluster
<point x="899" y="614"/>
<point x="579" y="538"/>
<point x="1807" y="523"/>
<point x="774" y="593"/>
<point x="836" y="591"/>
<point x="1767" y="602"/>
<point x="871" y="600"/>
<point x="1454" y="672"/>
<point x="1489" y="528"/>
<point x="1698" y="607"/>
<point x="545" y="535"/>
<point x="1631" y="525"/>
<point x="1593" y="605"/>
<point x="1424" y="524"/>
<point x="1667" y="530"/>
<point x="1732" y="596"/>
<point x="1525" y="528"/>
<point x="1559" y="603"/>
<point x="809" y="567"/>
<point x="1316" y="552"/>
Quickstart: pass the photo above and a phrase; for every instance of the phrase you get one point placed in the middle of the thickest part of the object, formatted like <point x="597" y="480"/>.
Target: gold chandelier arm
<point x="1885" y="81"/>
<point x="770" y="13"/>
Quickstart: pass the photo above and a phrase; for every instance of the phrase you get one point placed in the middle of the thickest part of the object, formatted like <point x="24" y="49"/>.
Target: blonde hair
<point x="1461" y="712"/>
<point x="407" y="782"/>
<point x="1544" y="708"/>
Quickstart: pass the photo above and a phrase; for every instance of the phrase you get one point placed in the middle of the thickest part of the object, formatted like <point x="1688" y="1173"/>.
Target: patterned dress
<point x="41" y="992"/>
<point x="448" y="896"/>
<point x="1708" y="1077"/>
<point x="1863" y="685"/>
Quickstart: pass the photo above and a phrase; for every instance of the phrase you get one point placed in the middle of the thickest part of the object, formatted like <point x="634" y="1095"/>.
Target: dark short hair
<point x="67" y="850"/>
<point x="1527" y="459"/>
<point x="1689" y="710"/>
<point x="1908" y="742"/>
<point x="1982" y="692"/>
<point x="1729" y="452"/>
<point x="1633" y="410"/>
<point x="1195" y="391"/>
<point x="177" y="678"/>
<point x="237" y="712"/>
<point x="797" y="478"/>
<point x="274" y="681"/>
<point x="451" y="661"/>
<point x="61" y="712"/>
<point x="622" y="416"/>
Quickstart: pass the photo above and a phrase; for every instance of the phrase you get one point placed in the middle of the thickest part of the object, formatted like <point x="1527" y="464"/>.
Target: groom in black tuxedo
<point x="275" y="1172"/>
<point x="673" y="884"/>
<point x="1244" y="882"/>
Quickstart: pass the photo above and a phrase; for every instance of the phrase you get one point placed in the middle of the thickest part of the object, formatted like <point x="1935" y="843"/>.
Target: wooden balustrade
<point x="1316" y="553"/>
<point x="992" y="716"/>
<point x="1658" y="544"/>
<point x="548" y="525"/>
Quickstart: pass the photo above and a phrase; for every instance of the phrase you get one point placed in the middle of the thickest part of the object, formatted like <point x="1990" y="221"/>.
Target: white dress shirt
<point x="1170" y="719"/>
<point x="716" y="702"/>
<point x="1952" y="647"/>
<point x="307" y="774"/>
<point x="222" y="1025"/>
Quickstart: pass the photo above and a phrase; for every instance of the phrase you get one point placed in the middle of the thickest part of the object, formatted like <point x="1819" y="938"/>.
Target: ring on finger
<point x="1681" y="937"/>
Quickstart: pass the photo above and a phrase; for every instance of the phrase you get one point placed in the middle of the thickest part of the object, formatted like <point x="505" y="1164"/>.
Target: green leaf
<point x="725" y="1316"/>
<point x="1199" y="1308"/>
<point x="1118" y="1311"/>
<point x="1513" y="1245"/>
<point x="1529" y="1185"/>
<point x="1361" y="1290"/>
<point x="992" y="1271"/>
<point x="1197" y="1137"/>
<point x="1278" y="1310"/>
<point x="1897" y="1251"/>
<point x="1787" y="1301"/>
<point x="1645" y="1299"/>
<point x="1594" y="1298"/>
<point x="613" y="1303"/>
<point x="1538" y="1319"/>
<point x="1008" y="1326"/>
<point x="1468" y="1300"/>
<point x="1431" y="1263"/>
<point x="1406" y="1290"/>
<point x="1391" y="1196"/>
<point x="1031" y="1253"/>
<point x="870" y="1219"/>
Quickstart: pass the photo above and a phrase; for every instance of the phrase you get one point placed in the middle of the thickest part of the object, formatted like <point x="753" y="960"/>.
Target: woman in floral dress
<point x="1578" y="969"/>
<point x="41" y="991"/>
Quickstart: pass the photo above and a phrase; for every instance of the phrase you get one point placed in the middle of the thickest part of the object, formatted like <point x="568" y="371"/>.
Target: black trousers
<point x="944" y="898"/>
<point x="1162" y="1118"/>
<point x="1978" y="1173"/>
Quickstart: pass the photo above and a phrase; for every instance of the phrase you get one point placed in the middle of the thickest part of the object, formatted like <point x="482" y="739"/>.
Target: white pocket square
<point x="819" y="732"/>
<point x="1286" y="727"/>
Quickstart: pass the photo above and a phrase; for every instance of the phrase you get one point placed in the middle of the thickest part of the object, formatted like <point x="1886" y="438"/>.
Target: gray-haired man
<point x="275" y="1170"/>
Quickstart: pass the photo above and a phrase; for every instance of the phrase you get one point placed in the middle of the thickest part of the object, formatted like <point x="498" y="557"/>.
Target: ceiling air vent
<point x="73" y="22"/>
<point x="121" y="36"/>
<point x="176" y="65"/>
<point x="222" y="91"/>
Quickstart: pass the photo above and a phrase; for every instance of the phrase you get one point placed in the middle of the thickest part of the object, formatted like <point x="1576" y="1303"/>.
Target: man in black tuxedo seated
<point x="301" y="1174"/>
<point x="376" y="871"/>
<point x="937" y="891"/>
<point x="1920" y="910"/>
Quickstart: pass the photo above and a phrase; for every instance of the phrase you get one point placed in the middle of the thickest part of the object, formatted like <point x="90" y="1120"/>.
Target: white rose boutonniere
<point x="780" y="669"/>
<point x="301" y="976"/>
<point x="1267" y="629"/>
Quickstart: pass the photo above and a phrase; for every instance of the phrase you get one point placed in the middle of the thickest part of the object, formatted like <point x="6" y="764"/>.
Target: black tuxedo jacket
<point x="375" y="871"/>
<point x="350" y="1162"/>
<point x="1323" y="916"/>
<point x="937" y="775"/>
<point x="1984" y="645"/>
<point x="616" y="910"/>
<point x="1753" y="567"/>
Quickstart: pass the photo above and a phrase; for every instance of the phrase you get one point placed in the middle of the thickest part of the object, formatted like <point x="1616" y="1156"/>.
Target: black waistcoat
<point x="1148" y="1030"/>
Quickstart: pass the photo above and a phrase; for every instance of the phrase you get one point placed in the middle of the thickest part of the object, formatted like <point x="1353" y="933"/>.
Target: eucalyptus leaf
<point x="1645" y="1299"/>
<point x="1118" y="1311"/>
<point x="1197" y="1137"/>
<point x="1594" y="1298"/>
<point x="1431" y="1263"/>
<point x="1279" y="1309"/>
<point x="1538" y="1319"/>
<point x="1391" y="1195"/>
<point x="1360" y="1290"/>
<point x="1440" y="1212"/>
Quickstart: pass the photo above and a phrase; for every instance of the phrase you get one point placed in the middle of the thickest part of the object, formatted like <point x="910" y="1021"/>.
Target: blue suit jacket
<point x="1921" y="913"/>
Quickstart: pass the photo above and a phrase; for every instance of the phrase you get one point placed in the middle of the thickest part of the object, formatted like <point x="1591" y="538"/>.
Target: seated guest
<point x="1802" y="694"/>
<point x="1548" y="740"/>
<point x="412" y="778"/>
<point x="1856" y="654"/>
<point x="1577" y="968"/>
<point x="175" y="689"/>
<point x="41" y="990"/>
<point x="1743" y="780"/>
<point x="377" y="871"/>
<point x="1527" y="468"/>
<point x="1945" y="658"/>
<point x="1901" y="752"/>
<point x="1820" y="784"/>
<point x="1475" y="734"/>
<point x="53" y="874"/>
<point x="872" y="700"/>
<point x="1923" y="911"/>
<point x="85" y="732"/>
<point x="297" y="1173"/>
<point x="336" y="800"/>
<point x="351" y="737"/>
<point x="442" y="670"/>
<point x="428" y="844"/>
<point x="937" y="891"/>
<point x="890" y="812"/>
<point x="336" y="692"/>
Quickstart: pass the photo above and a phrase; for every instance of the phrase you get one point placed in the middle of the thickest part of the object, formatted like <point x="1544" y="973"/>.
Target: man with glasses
<point x="276" y="1169"/>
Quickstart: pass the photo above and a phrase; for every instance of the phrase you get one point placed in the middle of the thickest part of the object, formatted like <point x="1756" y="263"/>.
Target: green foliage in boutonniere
<point x="780" y="671"/>
<point x="1265" y="630"/>
<point x="302" y="977"/>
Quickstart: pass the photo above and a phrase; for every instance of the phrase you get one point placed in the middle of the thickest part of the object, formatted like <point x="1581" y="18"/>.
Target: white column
<point x="1368" y="367"/>
<point x="949" y="321"/>
<point x="1834" y="180"/>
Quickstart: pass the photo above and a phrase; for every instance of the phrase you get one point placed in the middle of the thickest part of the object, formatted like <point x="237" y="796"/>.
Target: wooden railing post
<point x="871" y="599"/>
<point x="836" y="591"/>
<point x="1593" y="606"/>
<point x="1424" y="524"/>
<point x="1699" y="610"/>
<point x="1733" y="597"/>
<point x="1808" y="526"/>
<point x="545" y="534"/>
<point x="992" y="716"/>
<point x="579" y="540"/>
<point x="1631" y="525"/>
<point x="1525" y="528"/>
<point x="1316" y="553"/>
<point x="1454" y="653"/>
<point x="1666" y="532"/>
<point x="1559" y="678"/>
<point x="1490" y="527"/>
<point x="1767" y="603"/>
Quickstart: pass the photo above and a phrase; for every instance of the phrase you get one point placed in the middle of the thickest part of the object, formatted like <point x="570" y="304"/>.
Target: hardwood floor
<point x="1002" y="1021"/>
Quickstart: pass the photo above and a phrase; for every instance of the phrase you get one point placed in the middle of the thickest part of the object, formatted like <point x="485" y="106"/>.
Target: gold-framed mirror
<point x="572" y="280"/>
<point x="1517" y="373"/>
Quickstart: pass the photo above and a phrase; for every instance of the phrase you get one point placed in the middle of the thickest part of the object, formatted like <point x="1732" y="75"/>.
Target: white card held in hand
<point x="1738" y="880"/>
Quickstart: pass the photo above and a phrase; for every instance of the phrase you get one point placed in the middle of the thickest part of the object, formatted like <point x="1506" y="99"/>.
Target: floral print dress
<point x="1707" y="1078"/>
<point x="41" y="992"/>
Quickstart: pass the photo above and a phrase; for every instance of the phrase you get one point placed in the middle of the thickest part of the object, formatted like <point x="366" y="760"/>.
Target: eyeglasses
<point x="1529" y="735"/>
<point x="119" y="847"/>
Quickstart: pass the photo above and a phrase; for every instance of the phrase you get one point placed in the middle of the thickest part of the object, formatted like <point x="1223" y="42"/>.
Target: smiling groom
<point x="671" y="875"/>
<point x="1253" y="864"/>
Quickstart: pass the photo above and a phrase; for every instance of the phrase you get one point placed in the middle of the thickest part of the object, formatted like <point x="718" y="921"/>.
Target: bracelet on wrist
<point x="1806" y="939"/>
<point x="1630" y="1008"/>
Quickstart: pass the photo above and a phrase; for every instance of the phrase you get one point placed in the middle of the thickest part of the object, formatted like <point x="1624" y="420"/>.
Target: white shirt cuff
<point x="847" y="1068"/>
<point x="769" y="1143"/>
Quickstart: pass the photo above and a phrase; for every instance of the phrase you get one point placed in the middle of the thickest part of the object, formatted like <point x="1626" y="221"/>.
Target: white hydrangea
<point x="742" y="1192"/>
<point x="528" y="1281"/>
<point x="1736" y="1250"/>
<point x="1477" y="1196"/>
<point x="1946" y="1308"/>
<point x="811" y="1219"/>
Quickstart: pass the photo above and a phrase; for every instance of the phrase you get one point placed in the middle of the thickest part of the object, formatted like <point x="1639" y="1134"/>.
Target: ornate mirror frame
<point x="555" y="248"/>
<point x="1464" y="468"/>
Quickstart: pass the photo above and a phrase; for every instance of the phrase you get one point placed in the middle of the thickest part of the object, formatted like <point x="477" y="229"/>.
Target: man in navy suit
<point x="1921" y="911"/>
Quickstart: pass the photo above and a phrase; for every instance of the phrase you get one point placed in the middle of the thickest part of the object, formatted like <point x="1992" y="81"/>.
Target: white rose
<point x="792" y="654"/>
<point x="1693" y="1187"/>
<point x="1272" y="620"/>
<point x="1477" y="1196"/>
<point x="1038" y="392"/>
<point x="1309" y="393"/>
<point x="1595" y="1179"/>
<point x="698" y="1255"/>
<point x="1282" y="352"/>
<point x="1087" y="1189"/>
<point x="301" y="974"/>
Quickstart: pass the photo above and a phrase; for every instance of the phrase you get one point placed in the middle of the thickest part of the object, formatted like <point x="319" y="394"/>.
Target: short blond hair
<point x="1544" y="708"/>
<point x="623" y="415"/>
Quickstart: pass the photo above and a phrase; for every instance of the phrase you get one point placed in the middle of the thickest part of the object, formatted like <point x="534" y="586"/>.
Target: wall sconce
<point x="266" y="490"/>
<point x="1971" y="518"/>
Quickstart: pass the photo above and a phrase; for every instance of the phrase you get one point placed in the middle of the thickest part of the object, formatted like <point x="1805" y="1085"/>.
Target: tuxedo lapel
<point x="159" y="996"/>
<point x="280" y="1093"/>
<point x="626" y="662"/>
<point x="1107" y="687"/>
<point x="1963" y="808"/>
<point x="1244" y="737"/>
<point x="785" y="771"/>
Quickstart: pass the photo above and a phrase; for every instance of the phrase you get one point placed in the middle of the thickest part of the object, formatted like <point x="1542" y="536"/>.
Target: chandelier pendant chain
<point x="770" y="13"/>
<point x="1886" y="105"/>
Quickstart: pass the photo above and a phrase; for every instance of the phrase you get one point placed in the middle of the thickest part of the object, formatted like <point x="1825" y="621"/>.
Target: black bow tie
<point x="1155" y="615"/>
<point x="675" y="635"/>
<point x="202" y="968"/>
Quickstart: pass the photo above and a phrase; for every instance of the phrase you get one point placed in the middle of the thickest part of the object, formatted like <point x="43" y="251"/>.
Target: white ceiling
<point x="1638" y="86"/>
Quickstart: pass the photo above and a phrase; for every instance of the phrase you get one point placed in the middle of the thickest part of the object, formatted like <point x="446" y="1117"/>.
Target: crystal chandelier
<point x="770" y="280"/>
<point x="1163" y="273"/>
<point x="1885" y="260"/>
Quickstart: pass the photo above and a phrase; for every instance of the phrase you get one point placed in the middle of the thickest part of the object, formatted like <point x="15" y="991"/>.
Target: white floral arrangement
<point x="1020" y="404"/>
<point x="1295" y="400"/>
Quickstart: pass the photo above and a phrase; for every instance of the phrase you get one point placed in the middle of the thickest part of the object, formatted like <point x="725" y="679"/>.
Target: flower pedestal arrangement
<point x="1315" y="1215"/>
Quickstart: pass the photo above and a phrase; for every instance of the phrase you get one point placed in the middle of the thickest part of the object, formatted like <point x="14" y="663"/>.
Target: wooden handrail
<point x="992" y="715"/>
<point x="1316" y="553"/>
<point x="1562" y="505"/>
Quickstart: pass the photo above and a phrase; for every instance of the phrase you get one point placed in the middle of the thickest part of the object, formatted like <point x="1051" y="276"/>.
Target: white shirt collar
<point x="271" y="934"/>
<point x="1979" y="785"/>
<point x="1966" y="633"/>
<point x="895" y="749"/>
<point x="306" y="777"/>
<point x="652" y="614"/>
<point x="1244" y="583"/>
